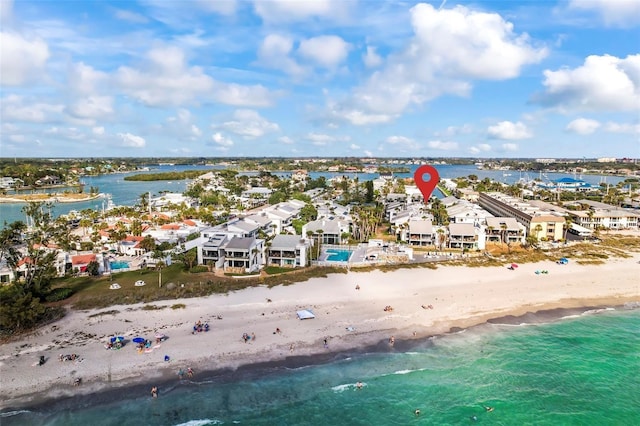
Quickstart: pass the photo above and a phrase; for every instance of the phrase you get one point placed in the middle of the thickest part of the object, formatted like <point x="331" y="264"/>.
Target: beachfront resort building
<point x="288" y="251"/>
<point x="542" y="223"/>
<point x="328" y="231"/>
<point x="606" y="216"/>
<point x="465" y="236"/>
<point x="504" y="230"/>
<point x="418" y="232"/>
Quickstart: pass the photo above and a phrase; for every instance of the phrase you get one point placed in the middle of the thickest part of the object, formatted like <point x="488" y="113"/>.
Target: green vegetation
<point x="148" y="177"/>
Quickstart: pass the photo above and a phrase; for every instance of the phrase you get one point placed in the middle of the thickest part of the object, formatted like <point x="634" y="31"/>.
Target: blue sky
<point x="320" y="78"/>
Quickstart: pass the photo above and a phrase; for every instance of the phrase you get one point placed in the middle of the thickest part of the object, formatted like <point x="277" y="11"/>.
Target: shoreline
<point x="51" y="198"/>
<point x="166" y="380"/>
<point x="470" y="297"/>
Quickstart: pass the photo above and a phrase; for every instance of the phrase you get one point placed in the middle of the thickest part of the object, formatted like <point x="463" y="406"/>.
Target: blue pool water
<point x="337" y="255"/>
<point x="119" y="265"/>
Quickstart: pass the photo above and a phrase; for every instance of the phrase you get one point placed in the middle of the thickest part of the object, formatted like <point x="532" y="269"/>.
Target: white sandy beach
<point x="346" y="317"/>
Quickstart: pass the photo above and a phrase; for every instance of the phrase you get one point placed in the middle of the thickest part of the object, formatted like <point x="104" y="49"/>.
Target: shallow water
<point x="577" y="370"/>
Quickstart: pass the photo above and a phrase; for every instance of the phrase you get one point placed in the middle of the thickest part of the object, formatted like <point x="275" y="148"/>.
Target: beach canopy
<point x="117" y="339"/>
<point x="305" y="314"/>
<point x="514" y="265"/>
<point x="138" y="340"/>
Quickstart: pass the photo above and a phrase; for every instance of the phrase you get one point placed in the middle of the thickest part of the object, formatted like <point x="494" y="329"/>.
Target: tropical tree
<point x="568" y="221"/>
<point x="189" y="258"/>
<point x="144" y="201"/>
<point x="148" y="244"/>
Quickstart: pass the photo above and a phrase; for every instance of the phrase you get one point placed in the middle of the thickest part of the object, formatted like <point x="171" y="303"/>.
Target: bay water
<point x="127" y="193"/>
<point x="568" y="368"/>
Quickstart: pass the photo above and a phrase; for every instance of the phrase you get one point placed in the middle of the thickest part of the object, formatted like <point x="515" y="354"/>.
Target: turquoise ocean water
<point x="581" y="369"/>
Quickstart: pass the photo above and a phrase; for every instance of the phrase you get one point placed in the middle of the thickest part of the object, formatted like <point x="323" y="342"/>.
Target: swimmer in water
<point x="474" y="418"/>
<point x="488" y="409"/>
<point x="417" y="412"/>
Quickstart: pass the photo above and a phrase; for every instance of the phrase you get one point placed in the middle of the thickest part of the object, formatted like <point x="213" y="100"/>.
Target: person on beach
<point x="181" y="373"/>
<point x="357" y="286"/>
<point x="189" y="372"/>
<point x="359" y="385"/>
<point x="291" y="348"/>
<point x="326" y="344"/>
<point x="392" y="340"/>
<point x="154" y="392"/>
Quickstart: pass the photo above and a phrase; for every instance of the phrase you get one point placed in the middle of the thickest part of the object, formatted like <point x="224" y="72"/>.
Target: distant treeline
<point x="146" y="177"/>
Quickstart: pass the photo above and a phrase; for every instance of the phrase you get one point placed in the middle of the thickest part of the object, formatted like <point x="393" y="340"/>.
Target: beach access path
<point x="425" y="302"/>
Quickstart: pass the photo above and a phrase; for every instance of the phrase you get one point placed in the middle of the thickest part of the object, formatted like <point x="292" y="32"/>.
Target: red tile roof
<point x="82" y="259"/>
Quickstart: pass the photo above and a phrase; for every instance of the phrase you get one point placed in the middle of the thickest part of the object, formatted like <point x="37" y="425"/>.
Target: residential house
<point x="79" y="262"/>
<point x="211" y="251"/>
<point x="243" y="255"/>
<point x="504" y="229"/>
<point x="328" y="231"/>
<point x="464" y="236"/>
<point x="606" y="216"/>
<point x="288" y="251"/>
<point x="420" y="233"/>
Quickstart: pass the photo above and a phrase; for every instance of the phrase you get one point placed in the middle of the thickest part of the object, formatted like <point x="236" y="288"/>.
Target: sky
<point x="321" y="78"/>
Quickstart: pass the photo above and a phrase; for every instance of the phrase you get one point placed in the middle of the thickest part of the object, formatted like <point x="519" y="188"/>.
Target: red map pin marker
<point x="426" y="186"/>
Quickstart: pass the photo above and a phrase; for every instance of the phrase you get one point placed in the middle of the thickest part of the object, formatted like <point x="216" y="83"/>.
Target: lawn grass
<point x="93" y="292"/>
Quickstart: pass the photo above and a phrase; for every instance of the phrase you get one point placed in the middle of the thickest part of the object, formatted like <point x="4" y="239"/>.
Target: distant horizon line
<point x="584" y="159"/>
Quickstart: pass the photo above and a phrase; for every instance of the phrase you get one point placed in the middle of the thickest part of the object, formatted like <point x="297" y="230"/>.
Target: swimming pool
<point x="338" y="255"/>
<point x="120" y="264"/>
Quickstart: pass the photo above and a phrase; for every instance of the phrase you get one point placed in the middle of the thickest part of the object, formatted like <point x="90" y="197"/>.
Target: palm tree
<point x="144" y="201"/>
<point x="538" y="230"/>
<point x="568" y="221"/>
<point x="503" y="231"/>
<point x="319" y="233"/>
<point x="441" y="237"/>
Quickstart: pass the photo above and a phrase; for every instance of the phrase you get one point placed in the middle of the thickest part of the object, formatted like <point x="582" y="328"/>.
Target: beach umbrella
<point x="159" y="336"/>
<point x="117" y="339"/>
<point x="513" y="265"/>
<point x="138" y="340"/>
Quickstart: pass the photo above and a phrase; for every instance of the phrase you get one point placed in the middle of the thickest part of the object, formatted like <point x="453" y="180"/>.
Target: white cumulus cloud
<point x="167" y="80"/>
<point x="275" y="52"/>
<point x="450" y="48"/>
<point x="626" y="128"/>
<point x="482" y="147"/>
<point x="509" y="131"/>
<point x="602" y="83"/>
<point x="249" y="124"/>
<point x="583" y="126"/>
<point x="319" y="139"/>
<point x="613" y="12"/>
<point x="279" y="11"/>
<point x="510" y="147"/>
<point x="22" y="59"/>
<point x="221" y="140"/>
<point x="444" y="146"/>
<point x="371" y="58"/>
<point x="327" y="51"/>
<point x="131" y="140"/>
